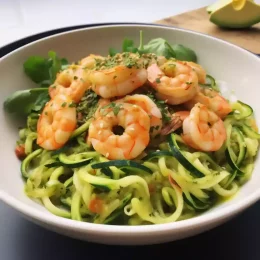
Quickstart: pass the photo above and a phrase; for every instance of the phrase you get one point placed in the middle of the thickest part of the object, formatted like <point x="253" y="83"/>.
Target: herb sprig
<point x="43" y="72"/>
<point x="158" y="46"/>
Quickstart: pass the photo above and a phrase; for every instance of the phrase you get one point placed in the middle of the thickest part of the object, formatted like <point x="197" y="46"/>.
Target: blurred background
<point x="19" y="18"/>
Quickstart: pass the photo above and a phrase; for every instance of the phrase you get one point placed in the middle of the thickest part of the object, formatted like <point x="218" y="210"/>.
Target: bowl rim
<point x="51" y="219"/>
<point x="24" y="41"/>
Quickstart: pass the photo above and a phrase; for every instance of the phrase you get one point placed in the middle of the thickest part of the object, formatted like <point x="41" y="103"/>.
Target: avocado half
<point x="234" y="13"/>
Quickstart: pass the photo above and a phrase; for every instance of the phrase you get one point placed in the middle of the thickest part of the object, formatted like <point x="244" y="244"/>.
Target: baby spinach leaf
<point x="22" y="102"/>
<point x="112" y="52"/>
<point x="55" y="65"/>
<point x="37" y="68"/>
<point x="127" y="43"/>
<point x="184" y="53"/>
<point x="64" y="63"/>
<point x="45" y="83"/>
<point x="128" y="46"/>
<point x="41" y="100"/>
<point x="43" y="70"/>
<point x="160" y="47"/>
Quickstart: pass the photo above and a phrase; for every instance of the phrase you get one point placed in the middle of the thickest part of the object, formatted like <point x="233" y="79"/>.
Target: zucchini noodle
<point x="29" y="142"/>
<point x="70" y="186"/>
<point x="72" y="182"/>
<point x="167" y="181"/>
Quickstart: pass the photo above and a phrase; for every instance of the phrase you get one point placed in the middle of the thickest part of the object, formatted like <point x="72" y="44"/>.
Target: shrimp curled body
<point x="149" y="107"/>
<point x="212" y="100"/>
<point x="117" y="81"/>
<point x="56" y="123"/>
<point x="175" y="81"/>
<point x="72" y="82"/>
<point x="201" y="73"/>
<point x="203" y="129"/>
<point x="90" y="61"/>
<point x="131" y="142"/>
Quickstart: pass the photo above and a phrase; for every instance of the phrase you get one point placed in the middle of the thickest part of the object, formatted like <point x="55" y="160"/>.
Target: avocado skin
<point x="235" y="26"/>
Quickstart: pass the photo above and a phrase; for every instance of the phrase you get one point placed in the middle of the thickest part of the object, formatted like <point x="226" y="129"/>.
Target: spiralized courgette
<point x="78" y="183"/>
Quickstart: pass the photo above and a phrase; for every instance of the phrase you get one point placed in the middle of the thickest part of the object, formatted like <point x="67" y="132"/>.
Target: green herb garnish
<point x="87" y="106"/>
<point x="114" y="106"/>
<point x="23" y="102"/>
<point x="162" y="106"/>
<point x="42" y="70"/>
<point x="72" y="104"/>
<point x="157" y="46"/>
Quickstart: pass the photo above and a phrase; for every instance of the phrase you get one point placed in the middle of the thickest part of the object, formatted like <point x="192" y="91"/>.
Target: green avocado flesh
<point x="225" y="15"/>
<point x="217" y="5"/>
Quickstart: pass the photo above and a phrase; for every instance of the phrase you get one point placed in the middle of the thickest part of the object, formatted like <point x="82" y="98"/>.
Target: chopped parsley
<point x="75" y="77"/>
<point x="87" y="106"/>
<point x="64" y="104"/>
<point x="127" y="59"/>
<point x="115" y="108"/>
<point x="72" y="104"/>
<point x="162" y="106"/>
<point x="158" y="80"/>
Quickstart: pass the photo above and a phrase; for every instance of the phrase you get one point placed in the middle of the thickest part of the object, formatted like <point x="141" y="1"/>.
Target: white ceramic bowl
<point x="226" y="62"/>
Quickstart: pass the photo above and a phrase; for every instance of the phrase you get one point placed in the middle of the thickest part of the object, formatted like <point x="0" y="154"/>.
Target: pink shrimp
<point x="175" y="81"/>
<point x="203" y="129"/>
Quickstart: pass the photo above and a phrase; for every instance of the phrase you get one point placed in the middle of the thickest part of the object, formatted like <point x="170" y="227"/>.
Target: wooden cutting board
<point x="198" y="20"/>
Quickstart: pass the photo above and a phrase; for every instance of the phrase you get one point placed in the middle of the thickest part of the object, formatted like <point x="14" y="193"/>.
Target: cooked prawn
<point x="118" y="81"/>
<point x="161" y="60"/>
<point x="175" y="81"/>
<point x="118" y="76"/>
<point x="72" y="82"/>
<point x="149" y="107"/>
<point x="148" y="59"/>
<point x="212" y="100"/>
<point x="90" y="61"/>
<point x="176" y="122"/>
<point x="56" y="123"/>
<point x="131" y="142"/>
<point x="103" y="102"/>
<point x="201" y="73"/>
<point x="203" y="129"/>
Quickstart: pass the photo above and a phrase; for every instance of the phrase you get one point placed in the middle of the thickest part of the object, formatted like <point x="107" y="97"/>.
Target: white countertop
<point x="20" y="18"/>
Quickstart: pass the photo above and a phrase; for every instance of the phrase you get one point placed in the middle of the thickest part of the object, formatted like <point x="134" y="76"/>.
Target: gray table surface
<point x="237" y="239"/>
